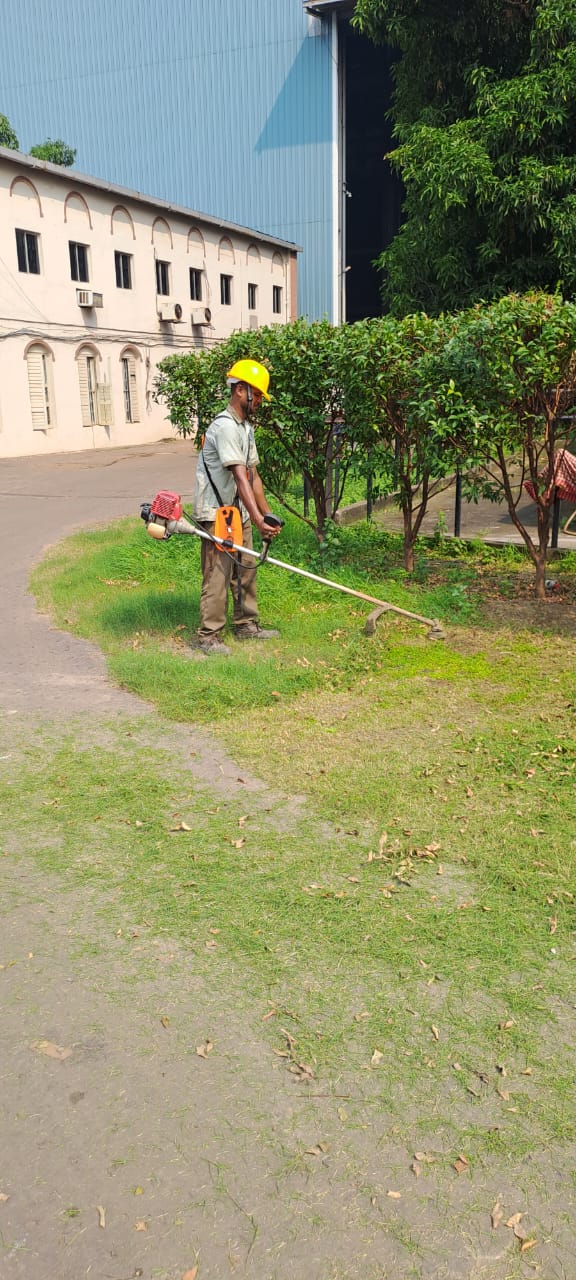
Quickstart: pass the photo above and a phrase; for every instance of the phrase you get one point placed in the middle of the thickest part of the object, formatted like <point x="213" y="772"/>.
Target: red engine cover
<point x="168" y="505"/>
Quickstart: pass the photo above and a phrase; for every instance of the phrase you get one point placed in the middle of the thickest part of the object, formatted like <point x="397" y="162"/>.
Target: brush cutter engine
<point x="159" y="515"/>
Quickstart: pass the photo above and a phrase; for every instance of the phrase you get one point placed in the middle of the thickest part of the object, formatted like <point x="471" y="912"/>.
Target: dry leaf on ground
<point x="141" y="1225"/>
<point x="301" y="1071"/>
<point x="461" y="1164"/>
<point x="3" y="1197"/>
<point x="100" y="1210"/>
<point x="515" y="1223"/>
<point x="190" y="1275"/>
<point x="497" y="1215"/>
<point x="51" y="1050"/>
<point x="204" y="1049"/>
<point x="182" y="826"/>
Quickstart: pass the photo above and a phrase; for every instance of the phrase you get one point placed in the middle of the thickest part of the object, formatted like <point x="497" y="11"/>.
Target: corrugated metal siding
<point x="220" y="105"/>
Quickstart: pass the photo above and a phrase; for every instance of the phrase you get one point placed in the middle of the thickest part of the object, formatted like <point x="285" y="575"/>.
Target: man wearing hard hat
<point x="226" y="475"/>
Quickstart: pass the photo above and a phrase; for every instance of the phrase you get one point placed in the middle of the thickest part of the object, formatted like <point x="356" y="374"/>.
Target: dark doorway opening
<point x="372" y="209"/>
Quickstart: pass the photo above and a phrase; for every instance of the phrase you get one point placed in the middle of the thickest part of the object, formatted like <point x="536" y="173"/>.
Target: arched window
<point x="196" y="243"/>
<point x="121" y="221"/>
<point x="226" y="250"/>
<point x="39" y="359"/>
<point x="76" y="210"/>
<point x="23" y="187"/>
<point x="129" y="361"/>
<point x="161" y="234"/>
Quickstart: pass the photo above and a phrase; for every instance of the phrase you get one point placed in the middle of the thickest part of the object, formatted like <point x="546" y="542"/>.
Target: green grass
<point x="429" y="879"/>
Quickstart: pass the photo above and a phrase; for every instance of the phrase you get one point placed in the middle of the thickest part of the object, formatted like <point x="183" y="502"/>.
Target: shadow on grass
<point x="157" y="612"/>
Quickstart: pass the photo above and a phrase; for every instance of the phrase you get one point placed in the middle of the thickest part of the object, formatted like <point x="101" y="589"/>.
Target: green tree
<point x="8" y="137"/>
<point x="485" y="119"/>
<point x="191" y="385"/>
<point x="384" y="373"/>
<point x="55" y="151"/>
<point x="502" y="395"/>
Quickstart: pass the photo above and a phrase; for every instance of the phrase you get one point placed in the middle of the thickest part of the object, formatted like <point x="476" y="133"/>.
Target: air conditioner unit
<point x="171" y="312"/>
<point x="201" y="315"/>
<point x="87" y="298"/>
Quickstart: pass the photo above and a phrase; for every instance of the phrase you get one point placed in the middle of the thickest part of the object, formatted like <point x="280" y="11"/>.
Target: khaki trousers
<point x="219" y="573"/>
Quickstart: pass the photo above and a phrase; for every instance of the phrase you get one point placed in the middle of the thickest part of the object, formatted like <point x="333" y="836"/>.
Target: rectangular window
<point x="162" y="278"/>
<point x="226" y="291"/>
<point x="27" y="250"/>
<point x="252" y="296"/>
<point x="78" y="261"/>
<point x="123" y="264"/>
<point x="195" y="284"/>
<point x="277" y="299"/>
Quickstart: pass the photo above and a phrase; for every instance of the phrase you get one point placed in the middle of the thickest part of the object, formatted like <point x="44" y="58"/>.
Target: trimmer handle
<point x="275" y="523"/>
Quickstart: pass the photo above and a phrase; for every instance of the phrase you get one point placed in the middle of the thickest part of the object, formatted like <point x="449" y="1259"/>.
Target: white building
<point x="97" y="285"/>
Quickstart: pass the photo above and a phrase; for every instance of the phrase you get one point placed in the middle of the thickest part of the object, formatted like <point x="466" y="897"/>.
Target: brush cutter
<point x="165" y="516"/>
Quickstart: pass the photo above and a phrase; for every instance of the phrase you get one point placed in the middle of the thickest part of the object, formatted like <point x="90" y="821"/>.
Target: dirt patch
<point x="553" y="616"/>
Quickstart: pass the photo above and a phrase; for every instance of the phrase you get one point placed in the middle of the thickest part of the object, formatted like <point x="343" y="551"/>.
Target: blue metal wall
<point x="221" y="105"/>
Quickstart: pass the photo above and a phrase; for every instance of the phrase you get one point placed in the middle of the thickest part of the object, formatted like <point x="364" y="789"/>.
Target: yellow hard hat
<point x="253" y="373"/>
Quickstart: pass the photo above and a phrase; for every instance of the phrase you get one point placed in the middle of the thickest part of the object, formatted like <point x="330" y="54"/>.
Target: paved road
<point x="43" y="500"/>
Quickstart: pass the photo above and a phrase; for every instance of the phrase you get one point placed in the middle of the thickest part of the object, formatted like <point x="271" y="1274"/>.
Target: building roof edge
<point x="19" y="159"/>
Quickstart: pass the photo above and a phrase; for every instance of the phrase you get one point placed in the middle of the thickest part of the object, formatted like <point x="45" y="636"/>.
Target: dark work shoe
<point x="253" y="631"/>
<point x="211" y="645"/>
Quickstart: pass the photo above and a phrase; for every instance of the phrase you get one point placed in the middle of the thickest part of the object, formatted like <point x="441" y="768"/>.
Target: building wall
<point x="97" y="364"/>
<point x="219" y="105"/>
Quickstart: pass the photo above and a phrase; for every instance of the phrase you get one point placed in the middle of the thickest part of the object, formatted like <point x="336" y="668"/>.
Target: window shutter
<point x="133" y="382"/>
<point x="83" y="377"/>
<point x="104" y="404"/>
<point x="39" y="402"/>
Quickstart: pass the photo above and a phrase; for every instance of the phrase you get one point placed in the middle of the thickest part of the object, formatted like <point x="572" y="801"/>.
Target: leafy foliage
<point x="8" y="137"/>
<point x="502" y="393"/>
<point x="486" y="127"/>
<point x="55" y="151"/>
<point x="385" y="379"/>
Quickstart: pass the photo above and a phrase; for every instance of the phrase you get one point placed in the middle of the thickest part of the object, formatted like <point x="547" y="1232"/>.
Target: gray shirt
<point x="228" y="442"/>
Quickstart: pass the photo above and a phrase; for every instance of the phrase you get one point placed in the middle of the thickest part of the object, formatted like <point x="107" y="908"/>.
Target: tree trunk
<point x="540" y="566"/>
<point x="408" y="538"/>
